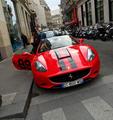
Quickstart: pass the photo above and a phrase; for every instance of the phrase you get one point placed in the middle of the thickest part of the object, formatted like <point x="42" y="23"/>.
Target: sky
<point x="53" y="4"/>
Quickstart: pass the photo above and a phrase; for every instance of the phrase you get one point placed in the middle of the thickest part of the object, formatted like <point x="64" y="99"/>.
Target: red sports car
<point x="60" y="62"/>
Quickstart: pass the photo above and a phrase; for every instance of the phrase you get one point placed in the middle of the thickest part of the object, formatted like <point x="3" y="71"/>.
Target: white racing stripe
<point x="57" y="114"/>
<point x="98" y="108"/>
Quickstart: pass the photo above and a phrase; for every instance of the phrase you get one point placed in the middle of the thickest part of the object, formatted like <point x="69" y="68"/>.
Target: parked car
<point x="60" y="62"/>
<point x="49" y="34"/>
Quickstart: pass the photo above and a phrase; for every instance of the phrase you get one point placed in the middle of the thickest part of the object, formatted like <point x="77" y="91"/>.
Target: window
<point x="99" y="11"/>
<point x="111" y="9"/>
<point x="88" y="12"/>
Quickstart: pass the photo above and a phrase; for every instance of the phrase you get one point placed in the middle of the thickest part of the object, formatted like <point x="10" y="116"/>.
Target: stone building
<point x="47" y="13"/>
<point x="91" y="12"/>
<point x="69" y="11"/>
<point x="57" y="21"/>
<point x="15" y="17"/>
<point x="48" y="16"/>
<point x="40" y="12"/>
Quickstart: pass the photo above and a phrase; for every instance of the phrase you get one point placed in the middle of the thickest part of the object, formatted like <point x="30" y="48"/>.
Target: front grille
<point x="70" y="76"/>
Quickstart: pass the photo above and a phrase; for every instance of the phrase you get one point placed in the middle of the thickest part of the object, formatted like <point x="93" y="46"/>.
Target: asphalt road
<point x="91" y="101"/>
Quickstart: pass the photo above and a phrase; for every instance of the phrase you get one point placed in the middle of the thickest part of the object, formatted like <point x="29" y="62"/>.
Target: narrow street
<point x="89" y="101"/>
<point x="83" y="102"/>
<point x="38" y="46"/>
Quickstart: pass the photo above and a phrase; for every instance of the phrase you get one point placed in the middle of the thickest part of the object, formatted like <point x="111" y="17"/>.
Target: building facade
<point x="23" y="14"/>
<point x="5" y="43"/>
<point x="48" y="17"/>
<point x="47" y="13"/>
<point x="69" y="11"/>
<point x="57" y="21"/>
<point x="91" y="12"/>
<point x="40" y="12"/>
<point x="15" y="18"/>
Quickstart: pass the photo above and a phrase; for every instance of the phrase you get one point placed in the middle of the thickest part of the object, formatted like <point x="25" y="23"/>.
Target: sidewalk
<point x="15" y="88"/>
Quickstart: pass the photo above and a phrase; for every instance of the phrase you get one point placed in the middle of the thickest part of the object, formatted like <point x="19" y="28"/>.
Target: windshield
<point x="56" y="42"/>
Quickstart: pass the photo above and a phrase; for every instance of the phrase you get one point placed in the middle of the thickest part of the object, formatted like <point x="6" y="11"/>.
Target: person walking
<point x="36" y="41"/>
<point x="37" y="37"/>
<point x="25" y="40"/>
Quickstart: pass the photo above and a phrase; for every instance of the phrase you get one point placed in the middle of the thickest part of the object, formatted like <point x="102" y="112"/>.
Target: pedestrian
<point x="37" y="37"/>
<point x="36" y="41"/>
<point x="24" y="39"/>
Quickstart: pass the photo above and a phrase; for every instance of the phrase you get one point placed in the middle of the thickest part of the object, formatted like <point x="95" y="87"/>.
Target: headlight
<point x="40" y="67"/>
<point x="90" y="55"/>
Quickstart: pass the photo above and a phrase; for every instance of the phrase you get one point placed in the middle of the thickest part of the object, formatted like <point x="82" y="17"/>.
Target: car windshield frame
<point x="60" y="38"/>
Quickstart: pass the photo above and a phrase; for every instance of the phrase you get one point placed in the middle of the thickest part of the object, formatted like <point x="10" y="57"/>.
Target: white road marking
<point x="57" y="114"/>
<point x="98" y="108"/>
<point x="8" y="99"/>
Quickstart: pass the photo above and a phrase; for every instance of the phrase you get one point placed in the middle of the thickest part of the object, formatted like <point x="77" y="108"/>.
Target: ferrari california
<point x="60" y="62"/>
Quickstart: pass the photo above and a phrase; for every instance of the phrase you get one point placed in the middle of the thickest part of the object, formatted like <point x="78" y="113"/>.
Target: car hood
<point x="63" y="59"/>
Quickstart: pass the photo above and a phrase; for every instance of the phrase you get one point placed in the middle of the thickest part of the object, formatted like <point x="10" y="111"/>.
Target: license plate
<point x="73" y="83"/>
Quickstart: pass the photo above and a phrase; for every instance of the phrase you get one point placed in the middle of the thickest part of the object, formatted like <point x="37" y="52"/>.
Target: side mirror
<point x="81" y="40"/>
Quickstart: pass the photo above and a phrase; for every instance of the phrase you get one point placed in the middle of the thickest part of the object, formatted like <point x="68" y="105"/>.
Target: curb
<point x="17" y="110"/>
